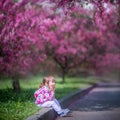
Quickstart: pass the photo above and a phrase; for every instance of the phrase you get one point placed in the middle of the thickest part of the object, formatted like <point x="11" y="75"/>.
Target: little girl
<point x="45" y="96"/>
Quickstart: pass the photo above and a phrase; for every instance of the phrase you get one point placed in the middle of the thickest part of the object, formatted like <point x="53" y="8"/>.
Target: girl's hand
<point x="52" y="88"/>
<point x="52" y="85"/>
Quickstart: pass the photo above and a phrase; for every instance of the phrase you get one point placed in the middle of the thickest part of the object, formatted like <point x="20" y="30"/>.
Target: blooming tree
<point x="30" y="33"/>
<point x="21" y="46"/>
<point x="110" y="29"/>
<point x="73" y="40"/>
<point x="106" y="15"/>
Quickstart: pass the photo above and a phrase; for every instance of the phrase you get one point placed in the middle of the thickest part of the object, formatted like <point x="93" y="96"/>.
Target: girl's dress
<point x="43" y="95"/>
<point x="45" y="98"/>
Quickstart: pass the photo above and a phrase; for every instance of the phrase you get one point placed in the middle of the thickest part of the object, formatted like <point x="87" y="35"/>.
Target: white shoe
<point x="64" y="112"/>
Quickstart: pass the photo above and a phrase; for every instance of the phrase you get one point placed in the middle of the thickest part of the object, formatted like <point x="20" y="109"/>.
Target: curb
<point x="50" y="114"/>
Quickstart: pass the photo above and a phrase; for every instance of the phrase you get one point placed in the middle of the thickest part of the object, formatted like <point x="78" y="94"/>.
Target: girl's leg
<point x="65" y="110"/>
<point x="57" y="102"/>
<point x="53" y="104"/>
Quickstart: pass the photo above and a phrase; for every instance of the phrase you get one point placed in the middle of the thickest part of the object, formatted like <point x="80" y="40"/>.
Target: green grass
<point x="19" y="106"/>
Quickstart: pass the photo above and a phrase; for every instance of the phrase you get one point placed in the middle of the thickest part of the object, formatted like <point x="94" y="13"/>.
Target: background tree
<point x="20" y="42"/>
<point x="73" y="40"/>
<point x="30" y="33"/>
<point x="111" y="30"/>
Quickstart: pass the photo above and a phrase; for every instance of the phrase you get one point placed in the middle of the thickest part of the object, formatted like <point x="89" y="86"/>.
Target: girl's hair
<point x="46" y="80"/>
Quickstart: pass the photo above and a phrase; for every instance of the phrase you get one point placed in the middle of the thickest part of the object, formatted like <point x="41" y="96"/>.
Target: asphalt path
<point x="101" y="103"/>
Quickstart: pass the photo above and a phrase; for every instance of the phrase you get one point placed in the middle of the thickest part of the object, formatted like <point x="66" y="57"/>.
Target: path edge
<point x="50" y="114"/>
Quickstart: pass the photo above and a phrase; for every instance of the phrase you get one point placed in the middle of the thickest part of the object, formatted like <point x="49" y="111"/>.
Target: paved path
<point x="102" y="103"/>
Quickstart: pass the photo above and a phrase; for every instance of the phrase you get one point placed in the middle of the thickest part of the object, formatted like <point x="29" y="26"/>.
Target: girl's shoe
<point x="64" y="112"/>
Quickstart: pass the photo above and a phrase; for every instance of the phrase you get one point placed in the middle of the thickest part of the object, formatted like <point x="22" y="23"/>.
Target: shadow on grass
<point x="28" y="94"/>
<point x="8" y="95"/>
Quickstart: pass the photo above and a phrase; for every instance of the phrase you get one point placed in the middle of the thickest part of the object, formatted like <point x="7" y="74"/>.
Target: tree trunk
<point x="16" y="84"/>
<point x="63" y="75"/>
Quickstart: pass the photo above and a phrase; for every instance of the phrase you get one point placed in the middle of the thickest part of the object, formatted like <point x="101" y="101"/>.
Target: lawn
<point x="20" y="106"/>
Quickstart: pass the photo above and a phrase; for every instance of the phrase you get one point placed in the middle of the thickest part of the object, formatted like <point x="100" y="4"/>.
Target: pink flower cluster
<point x="29" y="34"/>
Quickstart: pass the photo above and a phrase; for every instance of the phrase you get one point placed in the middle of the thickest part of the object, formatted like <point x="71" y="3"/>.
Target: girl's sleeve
<point x="38" y="97"/>
<point x="48" y="96"/>
<point x="36" y="93"/>
<point x="51" y="94"/>
<point x="43" y="95"/>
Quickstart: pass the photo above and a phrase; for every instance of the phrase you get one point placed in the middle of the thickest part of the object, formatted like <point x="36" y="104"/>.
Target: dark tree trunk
<point x="64" y="71"/>
<point x="16" y="84"/>
<point x="63" y="67"/>
<point x="63" y="76"/>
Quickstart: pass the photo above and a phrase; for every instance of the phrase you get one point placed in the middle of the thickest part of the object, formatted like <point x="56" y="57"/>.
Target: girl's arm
<point x="48" y="94"/>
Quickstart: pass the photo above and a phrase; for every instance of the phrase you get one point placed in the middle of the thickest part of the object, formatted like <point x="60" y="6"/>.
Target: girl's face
<point x="52" y="82"/>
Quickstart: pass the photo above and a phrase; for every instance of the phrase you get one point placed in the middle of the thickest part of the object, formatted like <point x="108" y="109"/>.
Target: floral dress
<point x="42" y="95"/>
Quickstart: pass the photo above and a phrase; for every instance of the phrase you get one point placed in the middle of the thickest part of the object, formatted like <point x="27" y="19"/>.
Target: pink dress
<point x="43" y="94"/>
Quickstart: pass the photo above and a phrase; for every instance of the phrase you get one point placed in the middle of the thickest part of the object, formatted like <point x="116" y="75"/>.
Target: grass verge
<point x="19" y="106"/>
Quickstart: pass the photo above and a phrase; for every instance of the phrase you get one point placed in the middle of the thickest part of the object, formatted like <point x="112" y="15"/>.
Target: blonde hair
<point x="46" y="80"/>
